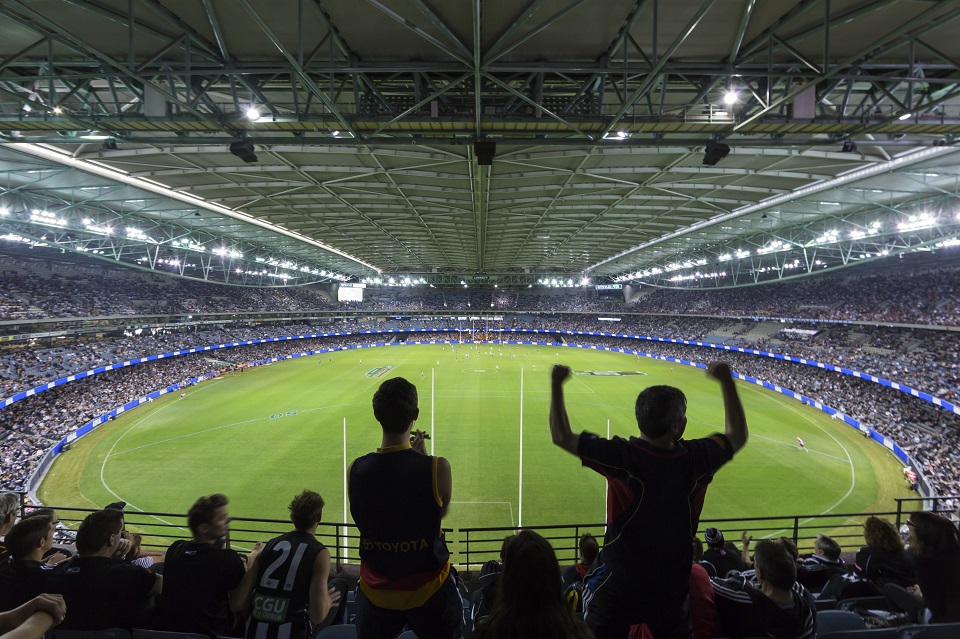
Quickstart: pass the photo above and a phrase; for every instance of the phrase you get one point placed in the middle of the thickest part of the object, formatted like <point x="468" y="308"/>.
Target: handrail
<point x="471" y="547"/>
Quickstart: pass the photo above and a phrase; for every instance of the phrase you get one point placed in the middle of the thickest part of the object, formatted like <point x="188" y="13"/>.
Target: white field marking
<point x="103" y="465"/>
<point x="794" y="445"/>
<point x="577" y="377"/>
<point x="170" y="439"/>
<point x="144" y="418"/>
<point x="520" y="483"/>
<point x="307" y="410"/>
<point x="853" y="470"/>
<point x="501" y="395"/>
<point x="509" y="504"/>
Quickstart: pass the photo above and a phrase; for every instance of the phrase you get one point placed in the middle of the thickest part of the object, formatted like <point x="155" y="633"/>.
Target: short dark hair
<point x="830" y="548"/>
<point x="26" y="535"/>
<point x="202" y="511"/>
<point x="50" y="513"/>
<point x="95" y="531"/>
<point x="395" y="405"/>
<point x="589" y="548"/>
<point x="658" y="408"/>
<point x="306" y="509"/>
<point x="775" y="564"/>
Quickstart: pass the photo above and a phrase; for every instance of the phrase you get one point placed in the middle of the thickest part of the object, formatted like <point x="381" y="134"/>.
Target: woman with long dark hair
<point x="530" y="603"/>
<point x="935" y="545"/>
<point x="884" y="560"/>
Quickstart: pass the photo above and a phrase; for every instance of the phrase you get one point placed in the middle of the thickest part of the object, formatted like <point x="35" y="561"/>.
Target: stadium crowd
<point x="925" y="297"/>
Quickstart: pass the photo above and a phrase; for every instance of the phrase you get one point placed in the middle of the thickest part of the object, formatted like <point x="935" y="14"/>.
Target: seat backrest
<point x="343" y="631"/>
<point x="109" y="633"/>
<point x="879" y="633"/>
<point x="826" y="604"/>
<point x="166" y="634"/>
<point x="836" y="620"/>
<point x="866" y="603"/>
<point x="933" y="631"/>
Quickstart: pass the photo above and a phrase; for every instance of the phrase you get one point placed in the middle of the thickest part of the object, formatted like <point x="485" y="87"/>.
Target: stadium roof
<point x="117" y="116"/>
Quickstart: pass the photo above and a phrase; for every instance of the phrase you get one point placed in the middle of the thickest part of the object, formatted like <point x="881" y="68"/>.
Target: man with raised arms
<point x="657" y="483"/>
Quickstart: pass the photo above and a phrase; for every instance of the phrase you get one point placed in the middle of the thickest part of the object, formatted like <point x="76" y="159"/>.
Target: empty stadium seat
<point x="837" y="620"/>
<point x="877" y="633"/>
<point x="933" y="631"/>
<point x="826" y="604"/>
<point x="166" y="634"/>
<point x="345" y="631"/>
<point x="109" y="633"/>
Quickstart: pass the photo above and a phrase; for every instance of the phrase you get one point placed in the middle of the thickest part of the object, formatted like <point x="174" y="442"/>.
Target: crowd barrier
<point x="471" y="547"/>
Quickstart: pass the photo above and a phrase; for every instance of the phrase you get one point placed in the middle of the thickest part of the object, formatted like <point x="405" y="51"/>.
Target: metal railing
<point x="471" y="547"/>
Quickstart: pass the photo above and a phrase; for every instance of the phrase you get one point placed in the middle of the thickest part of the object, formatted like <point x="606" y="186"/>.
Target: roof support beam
<point x="654" y="75"/>
<point x="298" y="69"/>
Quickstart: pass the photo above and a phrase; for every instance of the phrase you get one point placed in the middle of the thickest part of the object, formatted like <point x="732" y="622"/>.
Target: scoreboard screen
<point x="610" y="291"/>
<point x="349" y="293"/>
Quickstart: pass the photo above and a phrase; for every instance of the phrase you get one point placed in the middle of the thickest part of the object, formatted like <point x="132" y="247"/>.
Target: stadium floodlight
<point x="905" y="116"/>
<point x="4" y="211"/>
<point x="252" y="113"/>
<point x="730" y="97"/>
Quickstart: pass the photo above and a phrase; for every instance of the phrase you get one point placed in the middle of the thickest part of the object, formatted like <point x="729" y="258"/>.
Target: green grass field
<point x="263" y="435"/>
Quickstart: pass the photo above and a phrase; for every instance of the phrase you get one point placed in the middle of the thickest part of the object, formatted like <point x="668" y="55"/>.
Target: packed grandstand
<point x="890" y="325"/>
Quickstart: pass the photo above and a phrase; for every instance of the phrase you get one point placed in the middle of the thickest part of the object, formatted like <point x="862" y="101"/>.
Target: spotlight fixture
<point x="730" y="97"/>
<point x="485" y="151"/>
<point x="252" y="114"/>
<point x="849" y="146"/>
<point x="243" y="149"/>
<point x="714" y="152"/>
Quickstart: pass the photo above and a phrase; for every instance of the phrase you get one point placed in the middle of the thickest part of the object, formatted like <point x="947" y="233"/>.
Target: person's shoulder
<point x="734" y="588"/>
<point x="716" y="440"/>
<point x="121" y="567"/>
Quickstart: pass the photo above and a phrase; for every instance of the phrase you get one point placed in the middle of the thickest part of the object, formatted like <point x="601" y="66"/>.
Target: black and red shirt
<point x="653" y="505"/>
